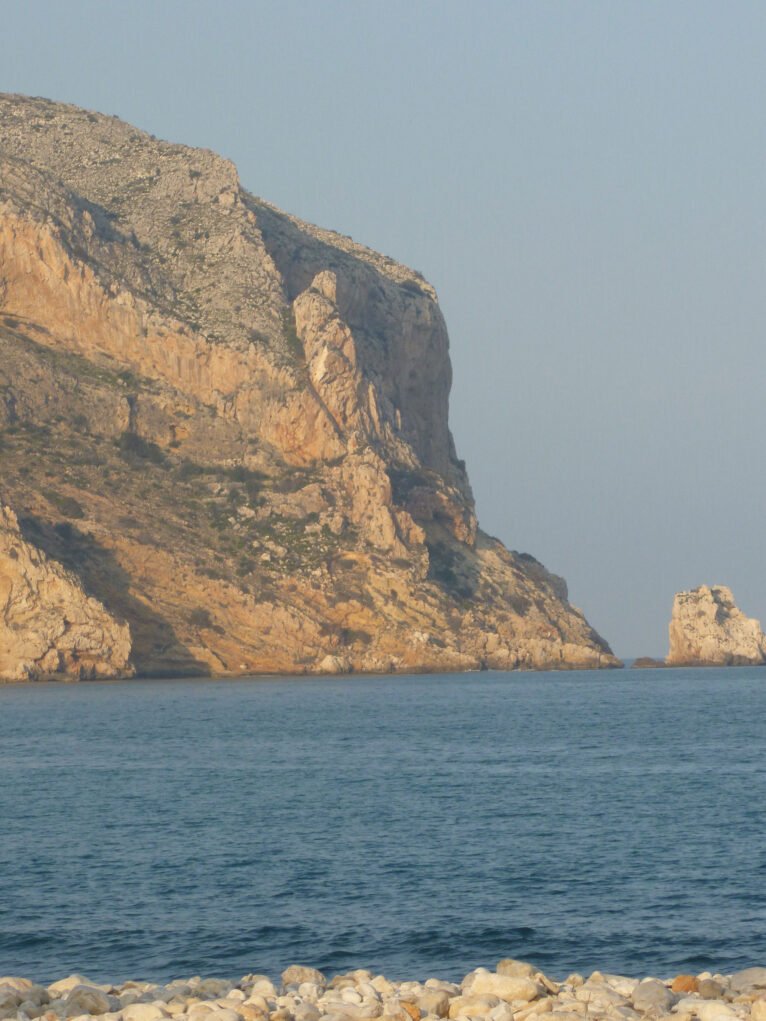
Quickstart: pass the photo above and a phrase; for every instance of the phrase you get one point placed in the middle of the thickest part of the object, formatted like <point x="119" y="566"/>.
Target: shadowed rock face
<point x="250" y="415"/>
<point x="707" y="628"/>
<point x="48" y="625"/>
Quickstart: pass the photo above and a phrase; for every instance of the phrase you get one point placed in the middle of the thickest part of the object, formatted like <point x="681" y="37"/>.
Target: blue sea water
<point x="413" y="825"/>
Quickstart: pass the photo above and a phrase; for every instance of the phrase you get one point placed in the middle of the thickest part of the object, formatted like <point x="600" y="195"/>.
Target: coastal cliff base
<point x="49" y="627"/>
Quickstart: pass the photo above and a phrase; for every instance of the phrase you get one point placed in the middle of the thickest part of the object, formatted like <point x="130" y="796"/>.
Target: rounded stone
<point x="514" y="968"/>
<point x="714" y="1010"/>
<point x="507" y="987"/>
<point x="411" y="1010"/>
<point x="709" y="989"/>
<point x="750" y="978"/>
<point x="434" y="1001"/>
<point x="621" y="984"/>
<point x="10" y="999"/>
<point x="143" y="1012"/>
<point x="20" y="985"/>
<point x="214" y="987"/>
<point x="307" y="1012"/>
<point x="350" y="995"/>
<point x="652" y="994"/>
<point x="297" y="974"/>
<point x="223" y="1014"/>
<point x="685" y="984"/>
<point x="83" y="999"/>
<point x="258" y="1000"/>
<point x="63" y="985"/>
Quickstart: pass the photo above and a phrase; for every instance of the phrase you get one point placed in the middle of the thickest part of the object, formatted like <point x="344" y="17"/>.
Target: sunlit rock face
<point x="232" y="426"/>
<point x="707" y="628"/>
<point x="49" y="627"/>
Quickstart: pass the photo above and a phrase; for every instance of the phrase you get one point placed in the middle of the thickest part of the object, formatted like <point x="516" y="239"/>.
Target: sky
<point x="584" y="184"/>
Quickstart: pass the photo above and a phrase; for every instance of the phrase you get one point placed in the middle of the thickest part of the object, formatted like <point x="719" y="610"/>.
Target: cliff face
<point x="49" y="627"/>
<point x="707" y="628"/>
<point x="233" y="425"/>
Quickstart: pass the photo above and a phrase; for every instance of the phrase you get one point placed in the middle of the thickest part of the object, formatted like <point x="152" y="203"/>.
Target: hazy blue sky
<point x="584" y="183"/>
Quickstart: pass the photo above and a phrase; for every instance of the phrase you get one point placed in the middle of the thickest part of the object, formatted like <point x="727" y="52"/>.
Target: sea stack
<point x="708" y="629"/>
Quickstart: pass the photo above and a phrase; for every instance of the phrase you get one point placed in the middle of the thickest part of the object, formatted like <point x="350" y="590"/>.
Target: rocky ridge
<point x="232" y="426"/>
<point x="708" y="629"/>
<point x="515" y="991"/>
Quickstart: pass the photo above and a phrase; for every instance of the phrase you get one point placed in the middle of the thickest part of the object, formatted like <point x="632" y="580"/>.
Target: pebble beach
<point x="514" y="991"/>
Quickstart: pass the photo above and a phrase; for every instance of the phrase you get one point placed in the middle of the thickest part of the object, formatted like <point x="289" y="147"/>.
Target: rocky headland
<point x="708" y="629"/>
<point x="225" y="433"/>
<point x="515" y="991"/>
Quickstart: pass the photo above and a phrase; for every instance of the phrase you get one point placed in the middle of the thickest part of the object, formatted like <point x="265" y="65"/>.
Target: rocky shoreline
<point x="515" y="991"/>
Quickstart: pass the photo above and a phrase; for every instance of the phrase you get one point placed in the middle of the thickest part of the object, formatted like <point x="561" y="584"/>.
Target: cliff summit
<point x="229" y="428"/>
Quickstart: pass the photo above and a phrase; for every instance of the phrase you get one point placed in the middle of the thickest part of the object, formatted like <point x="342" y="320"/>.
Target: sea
<point x="416" y="826"/>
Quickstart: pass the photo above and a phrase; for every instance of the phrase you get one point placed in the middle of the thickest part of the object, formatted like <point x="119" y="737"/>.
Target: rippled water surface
<point x="416" y="825"/>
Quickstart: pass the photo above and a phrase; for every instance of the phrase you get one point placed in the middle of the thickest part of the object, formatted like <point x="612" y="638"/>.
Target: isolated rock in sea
<point x="233" y="425"/>
<point x="707" y="628"/>
<point x="48" y="626"/>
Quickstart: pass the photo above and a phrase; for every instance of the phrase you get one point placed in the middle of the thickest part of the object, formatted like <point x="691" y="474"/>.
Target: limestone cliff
<point x="49" y="627"/>
<point x="233" y="426"/>
<point x="707" y="628"/>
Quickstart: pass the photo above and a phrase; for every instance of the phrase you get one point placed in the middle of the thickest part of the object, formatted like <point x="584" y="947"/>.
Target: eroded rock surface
<point x="49" y="627"/>
<point x="233" y="425"/>
<point x="707" y="628"/>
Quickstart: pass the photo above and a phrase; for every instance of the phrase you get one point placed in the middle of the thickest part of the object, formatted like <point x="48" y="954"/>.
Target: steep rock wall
<point x="708" y="628"/>
<point x="250" y="414"/>
<point x="49" y="627"/>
